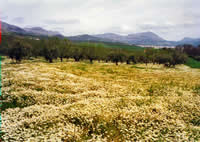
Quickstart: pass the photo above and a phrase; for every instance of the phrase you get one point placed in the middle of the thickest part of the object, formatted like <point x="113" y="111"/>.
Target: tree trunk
<point x="50" y="60"/>
<point x="61" y="59"/>
<point x="91" y="61"/>
<point x="116" y="63"/>
<point x="76" y="59"/>
<point x="127" y="62"/>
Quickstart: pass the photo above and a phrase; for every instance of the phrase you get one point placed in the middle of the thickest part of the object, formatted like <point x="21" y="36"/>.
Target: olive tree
<point x="63" y="48"/>
<point x="117" y="56"/>
<point x="19" y="50"/>
<point x="76" y="53"/>
<point x="50" y="50"/>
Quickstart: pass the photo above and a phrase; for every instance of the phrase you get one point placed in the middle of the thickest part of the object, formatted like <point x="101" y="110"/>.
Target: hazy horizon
<point x="171" y="20"/>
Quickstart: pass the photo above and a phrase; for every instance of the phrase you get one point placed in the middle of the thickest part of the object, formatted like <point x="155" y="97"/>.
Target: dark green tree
<point x="63" y="49"/>
<point x="177" y="58"/>
<point x="50" y="50"/>
<point x="90" y="53"/>
<point x="163" y="59"/>
<point x="132" y="59"/>
<point x="77" y="53"/>
<point x="19" y="50"/>
<point x="117" y="56"/>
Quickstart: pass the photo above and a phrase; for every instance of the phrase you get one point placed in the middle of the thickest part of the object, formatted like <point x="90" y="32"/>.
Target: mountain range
<point x="144" y="38"/>
<point x="36" y="31"/>
<point x="41" y="31"/>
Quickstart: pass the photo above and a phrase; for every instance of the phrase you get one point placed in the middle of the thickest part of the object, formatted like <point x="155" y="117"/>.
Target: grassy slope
<point x="193" y="63"/>
<point x="124" y="46"/>
<point x="79" y="101"/>
<point x="112" y="45"/>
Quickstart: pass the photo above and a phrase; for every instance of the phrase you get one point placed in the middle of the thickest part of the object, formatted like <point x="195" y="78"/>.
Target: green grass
<point x="123" y="46"/>
<point x="193" y="63"/>
<point x="136" y="67"/>
<point x="111" y="45"/>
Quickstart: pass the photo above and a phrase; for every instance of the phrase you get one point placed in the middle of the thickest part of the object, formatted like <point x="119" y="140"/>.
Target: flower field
<point x="99" y="102"/>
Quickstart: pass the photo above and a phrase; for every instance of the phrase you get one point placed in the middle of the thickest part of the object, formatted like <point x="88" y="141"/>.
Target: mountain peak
<point x="11" y="28"/>
<point x="146" y="38"/>
<point x="41" y="31"/>
<point x="35" y="28"/>
<point x="189" y="38"/>
<point x="110" y="36"/>
<point x="7" y="28"/>
<point x="144" y="34"/>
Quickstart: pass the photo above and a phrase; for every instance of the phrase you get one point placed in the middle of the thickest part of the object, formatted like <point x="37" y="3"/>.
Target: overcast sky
<point x="171" y="19"/>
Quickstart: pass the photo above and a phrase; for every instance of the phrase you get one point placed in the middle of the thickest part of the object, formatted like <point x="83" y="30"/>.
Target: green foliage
<point x="19" y="50"/>
<point x="77" y="53"/>
<point x="131" y="58"/>
<point x="53" y="48"/>
<point x="192" y="63"/>
<point x="117" y="56"/>
<point x="64" y="49"/>
<point x="50" y="50"/>
<point x="190" y="50"/>
<point x="170" y="57"/>
<point x="90" y="53"/>
<point x="177" y="58"/>
<point x="197" y="89"/>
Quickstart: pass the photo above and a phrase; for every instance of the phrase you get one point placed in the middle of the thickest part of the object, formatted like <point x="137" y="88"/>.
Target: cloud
<point x="58" y="29"/>
<point x="18" y="20"/>
<point x="3" y="17"/>
<point x="62" y="22"/>
<point x="171" y="19"/>
<point x="156" y="26"/>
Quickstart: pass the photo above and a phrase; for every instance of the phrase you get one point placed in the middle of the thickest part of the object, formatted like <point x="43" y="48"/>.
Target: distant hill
<point x="187" y="40"/>
<point x="144" y="38"/>
<point x="86" y="37"/>
<point x="36" y="31"/>
<point x="41" y="31"/>
<point x="147" y="38"/>
<point x="7" y="28"/>
<point x="111" y="36"/>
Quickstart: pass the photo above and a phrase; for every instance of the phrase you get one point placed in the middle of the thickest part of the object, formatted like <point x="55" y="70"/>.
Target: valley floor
<point x="89" y="102"/>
